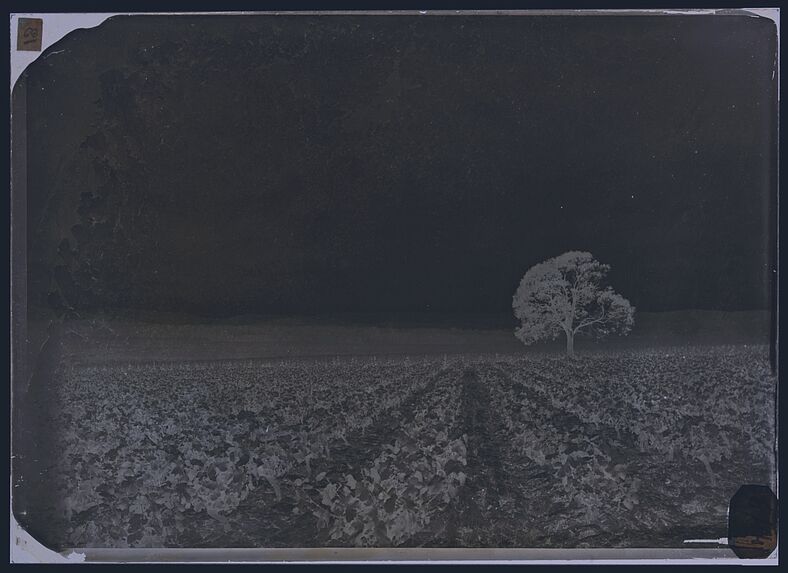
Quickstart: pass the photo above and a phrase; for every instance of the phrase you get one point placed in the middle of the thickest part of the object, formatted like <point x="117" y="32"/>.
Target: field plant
<point x="374" y="452"/>
<point x="413" y="478"/>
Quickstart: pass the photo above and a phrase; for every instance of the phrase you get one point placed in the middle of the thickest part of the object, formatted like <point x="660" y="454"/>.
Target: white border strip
<point x="56" y="26"/>
<point x="598" y="556"/>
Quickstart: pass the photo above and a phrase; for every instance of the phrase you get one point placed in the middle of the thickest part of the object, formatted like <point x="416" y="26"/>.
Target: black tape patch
<point x="752" y="522"/>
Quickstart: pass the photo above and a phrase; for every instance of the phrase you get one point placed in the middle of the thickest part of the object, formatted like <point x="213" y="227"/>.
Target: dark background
<point x="300" y="164"/>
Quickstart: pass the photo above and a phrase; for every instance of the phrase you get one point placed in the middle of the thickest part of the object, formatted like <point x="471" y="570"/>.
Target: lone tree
<point x="566" y="295"/>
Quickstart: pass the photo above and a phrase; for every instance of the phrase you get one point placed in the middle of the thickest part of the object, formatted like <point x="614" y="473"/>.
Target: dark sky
<point x="404" y="163"/>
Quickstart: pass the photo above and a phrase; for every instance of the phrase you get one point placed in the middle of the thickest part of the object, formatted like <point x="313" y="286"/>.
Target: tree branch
<point x="590" y="322"/>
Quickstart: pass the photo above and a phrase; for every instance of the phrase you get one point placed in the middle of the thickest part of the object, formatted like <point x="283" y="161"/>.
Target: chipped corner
<point x="24" y="548"/>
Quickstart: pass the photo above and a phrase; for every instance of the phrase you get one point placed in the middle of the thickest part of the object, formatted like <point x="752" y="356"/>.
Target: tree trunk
<point x="570" y="344"/>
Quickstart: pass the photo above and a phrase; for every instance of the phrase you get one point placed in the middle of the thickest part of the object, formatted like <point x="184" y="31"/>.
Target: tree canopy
<point x="567" y="294"/>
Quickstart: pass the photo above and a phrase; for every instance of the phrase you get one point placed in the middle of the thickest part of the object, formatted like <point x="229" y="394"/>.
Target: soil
<point x="475" y="520"/>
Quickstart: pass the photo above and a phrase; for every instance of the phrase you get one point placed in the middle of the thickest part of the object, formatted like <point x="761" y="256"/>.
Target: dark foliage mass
<point x="283" y="164"/>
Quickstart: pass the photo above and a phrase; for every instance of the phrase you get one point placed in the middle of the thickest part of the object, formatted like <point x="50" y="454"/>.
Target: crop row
<point x="705" y="406"/>
<point x="414" y="477"/>
<point x="146" y="447"/>
<point x="591" y="477"/>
